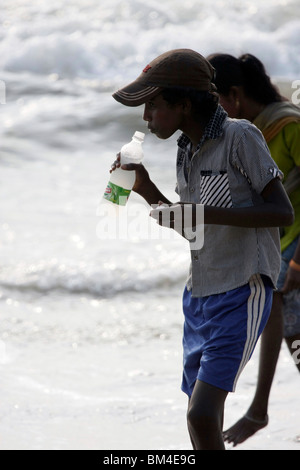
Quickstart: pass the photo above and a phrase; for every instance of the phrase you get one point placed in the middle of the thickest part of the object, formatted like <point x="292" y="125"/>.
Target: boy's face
<point x="163" y="119"/>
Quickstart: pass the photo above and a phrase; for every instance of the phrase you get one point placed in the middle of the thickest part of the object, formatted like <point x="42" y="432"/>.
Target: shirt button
<point x="196" y="257"/>
<point x="192" y="190"/>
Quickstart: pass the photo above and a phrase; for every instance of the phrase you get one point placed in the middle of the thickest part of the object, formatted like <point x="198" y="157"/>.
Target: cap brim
<point x="136" y="94"/>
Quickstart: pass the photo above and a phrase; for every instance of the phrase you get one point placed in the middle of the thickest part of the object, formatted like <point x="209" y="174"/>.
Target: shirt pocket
<point x="214" y="189"/>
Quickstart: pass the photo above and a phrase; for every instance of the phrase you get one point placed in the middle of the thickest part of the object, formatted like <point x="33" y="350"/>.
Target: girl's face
<point x="163" y="119"/>
<point x="230" y="105"/>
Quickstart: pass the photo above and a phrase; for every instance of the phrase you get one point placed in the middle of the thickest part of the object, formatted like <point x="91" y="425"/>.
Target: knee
<point x="201" y="419"/>
<point x="205" y="417"/>
<point x="205" y="430"/>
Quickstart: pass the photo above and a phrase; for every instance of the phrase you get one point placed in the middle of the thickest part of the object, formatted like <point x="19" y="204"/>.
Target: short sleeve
<point x="253" y="159"/>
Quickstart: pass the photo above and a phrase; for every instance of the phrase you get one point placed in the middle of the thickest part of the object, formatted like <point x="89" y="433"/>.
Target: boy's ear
<point x="187" y="106"/>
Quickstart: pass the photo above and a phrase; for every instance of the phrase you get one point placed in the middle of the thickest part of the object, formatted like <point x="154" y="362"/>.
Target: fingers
<point x="168" y="215"/>
<point x="128" y="166"/>
<point x="116" y="163"/>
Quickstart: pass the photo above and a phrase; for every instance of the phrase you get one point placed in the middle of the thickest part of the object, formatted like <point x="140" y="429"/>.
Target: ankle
<point x="259" y="412"/>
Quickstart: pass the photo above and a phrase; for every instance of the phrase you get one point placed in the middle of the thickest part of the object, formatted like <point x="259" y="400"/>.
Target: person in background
<point x="246" y="92"/>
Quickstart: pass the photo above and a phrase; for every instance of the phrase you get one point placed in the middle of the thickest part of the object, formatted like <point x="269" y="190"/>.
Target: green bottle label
<point x="116" y="194"/>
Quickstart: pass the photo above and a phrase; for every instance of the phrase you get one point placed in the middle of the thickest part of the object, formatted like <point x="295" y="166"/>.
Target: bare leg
<point x="205" y="417"/>
<point x="256" y="417"/>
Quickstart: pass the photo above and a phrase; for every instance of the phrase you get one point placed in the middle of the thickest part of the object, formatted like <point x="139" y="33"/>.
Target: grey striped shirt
<point x="230" y="168"/>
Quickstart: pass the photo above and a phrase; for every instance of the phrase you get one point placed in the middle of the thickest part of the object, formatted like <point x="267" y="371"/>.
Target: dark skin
<point x="206" y="405"/>
<point x="239" y="105"/>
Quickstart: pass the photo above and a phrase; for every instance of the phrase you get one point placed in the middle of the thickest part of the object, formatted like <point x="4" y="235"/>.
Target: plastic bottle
<point x="121" y="181"/>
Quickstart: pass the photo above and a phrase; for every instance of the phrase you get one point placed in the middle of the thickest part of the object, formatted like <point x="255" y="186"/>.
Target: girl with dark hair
<point x="246" y="92"/>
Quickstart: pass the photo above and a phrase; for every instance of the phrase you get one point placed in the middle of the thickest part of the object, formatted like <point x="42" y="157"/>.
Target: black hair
<point x="246" y="71"/>
<point x="204" y="103"/>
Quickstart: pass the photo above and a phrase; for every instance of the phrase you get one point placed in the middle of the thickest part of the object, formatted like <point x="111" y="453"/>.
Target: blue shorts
<point x="221" y="331"/>
<point x="291" y="301"/>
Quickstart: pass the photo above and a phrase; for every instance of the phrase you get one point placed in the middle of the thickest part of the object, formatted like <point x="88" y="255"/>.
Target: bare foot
<point x="243" y="429"/>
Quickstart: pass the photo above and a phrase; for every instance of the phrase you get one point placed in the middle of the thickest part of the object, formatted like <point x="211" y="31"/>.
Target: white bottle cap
<point x="139" y="135"/>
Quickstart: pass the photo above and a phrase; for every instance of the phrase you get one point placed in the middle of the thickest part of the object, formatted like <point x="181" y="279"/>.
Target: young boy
<point x="224" y="166"/>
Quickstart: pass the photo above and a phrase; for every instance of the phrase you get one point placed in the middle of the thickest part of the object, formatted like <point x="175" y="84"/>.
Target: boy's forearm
<point x="152" y="194"/>
<point x="275" y="211"/>
<point x="257" y="216"/>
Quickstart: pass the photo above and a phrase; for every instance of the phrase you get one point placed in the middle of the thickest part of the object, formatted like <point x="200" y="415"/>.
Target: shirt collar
<point x="213" y="129"/>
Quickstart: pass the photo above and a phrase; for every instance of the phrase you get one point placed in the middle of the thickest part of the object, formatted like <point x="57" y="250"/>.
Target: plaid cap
<point x="178" y="67"/>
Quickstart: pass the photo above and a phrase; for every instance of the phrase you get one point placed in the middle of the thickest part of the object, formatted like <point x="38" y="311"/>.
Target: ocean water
<point x="91" y="322"/>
